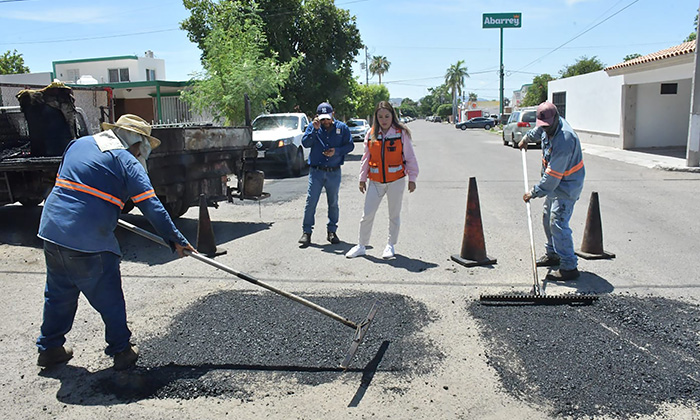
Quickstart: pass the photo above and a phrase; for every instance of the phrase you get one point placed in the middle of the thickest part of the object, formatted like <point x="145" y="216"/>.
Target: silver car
<point x="358" y="128"/>
<point x="519" y="123"/>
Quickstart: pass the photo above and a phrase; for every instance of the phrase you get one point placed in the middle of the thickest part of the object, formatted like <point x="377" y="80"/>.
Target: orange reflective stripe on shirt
<point x="143" y="196"/>
<point x="560" y="175"/>
<point x="75" y="186"/>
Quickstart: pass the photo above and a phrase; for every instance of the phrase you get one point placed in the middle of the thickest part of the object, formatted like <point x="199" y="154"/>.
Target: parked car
<point x="519" y="123"/>
<point x="358" y="128"/>
<point x="476" y="122"/>
<point x="436" y="119"/>
<point x="278" y="140"/>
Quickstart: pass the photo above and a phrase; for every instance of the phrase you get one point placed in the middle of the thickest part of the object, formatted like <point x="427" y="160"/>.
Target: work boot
<point x="333" y="238"/>
<point x="548" y="261"/>
<point x="126" y="358"/>
<point x="563" y="275"/>
<point x="305" y="239"/>
<point x="54" y="356"/>
<point x="356" y="251"/>
<point x="388" y="252"/>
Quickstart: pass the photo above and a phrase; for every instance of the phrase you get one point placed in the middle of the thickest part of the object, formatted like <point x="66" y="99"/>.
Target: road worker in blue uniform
<point x="98" y="174"/>
<point x="330" y="140"/>
<point x="561" y="184"/>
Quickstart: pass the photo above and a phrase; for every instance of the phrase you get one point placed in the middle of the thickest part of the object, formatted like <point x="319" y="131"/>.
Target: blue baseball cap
<point x="324" y="111"/>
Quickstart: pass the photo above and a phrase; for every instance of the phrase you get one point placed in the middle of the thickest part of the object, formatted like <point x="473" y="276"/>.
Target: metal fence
<point x="176" y="112"/>
<point x="93" y="101"/>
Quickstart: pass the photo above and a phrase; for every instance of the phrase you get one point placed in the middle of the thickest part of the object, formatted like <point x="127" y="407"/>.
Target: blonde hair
<point x="394" y="120"/>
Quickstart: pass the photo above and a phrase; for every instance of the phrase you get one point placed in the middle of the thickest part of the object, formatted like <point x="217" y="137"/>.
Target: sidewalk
<point x="667" y="159"/>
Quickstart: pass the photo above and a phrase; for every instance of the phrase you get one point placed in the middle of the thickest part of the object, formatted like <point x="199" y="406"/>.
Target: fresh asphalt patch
<point x="621" y="356"/>
<point x="245" y="345"/>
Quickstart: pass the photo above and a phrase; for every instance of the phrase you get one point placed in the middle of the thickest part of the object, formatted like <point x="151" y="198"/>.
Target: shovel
<point x="360" y="328"/>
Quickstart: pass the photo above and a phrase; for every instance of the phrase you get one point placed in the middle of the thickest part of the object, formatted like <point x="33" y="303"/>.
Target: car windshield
<point x="275" y="123"/>
<point x="355" y="123"/>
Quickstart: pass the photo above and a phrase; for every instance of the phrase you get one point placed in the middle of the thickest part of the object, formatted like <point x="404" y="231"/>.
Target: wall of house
<point x="593" y="106"/>
<point x="99" y="69"/>
<point x="662" y="120"/>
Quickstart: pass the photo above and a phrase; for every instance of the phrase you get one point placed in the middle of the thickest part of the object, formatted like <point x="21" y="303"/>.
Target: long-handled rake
<point x="360" y="328"/>
<point x="536" y="295"/>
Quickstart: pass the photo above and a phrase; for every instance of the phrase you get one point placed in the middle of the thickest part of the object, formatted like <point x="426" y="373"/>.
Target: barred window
<point x="559" y="100"/>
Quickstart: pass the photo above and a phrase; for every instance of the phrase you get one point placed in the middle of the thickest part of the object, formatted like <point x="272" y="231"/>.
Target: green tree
<point x="444" y="110"/>
<point x="693" y="35"/>
<point x="454" y="79"/>
<point x="367" y="97"/>
<point x="12" y="63"/>
<point x="582" y="66"/>
<point x="629" y="57"/>
<point x="537" y="92"/>
<point x="235" y="64"/>
<point x="323" y="35"/>
<point x="473" y="97"/>
<point x="379" y="65"/>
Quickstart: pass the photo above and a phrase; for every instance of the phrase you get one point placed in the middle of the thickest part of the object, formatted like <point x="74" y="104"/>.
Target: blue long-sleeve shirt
<point x="562" y="164"/>
<point x="91" y="188"/>
<point x="337" y="136"/>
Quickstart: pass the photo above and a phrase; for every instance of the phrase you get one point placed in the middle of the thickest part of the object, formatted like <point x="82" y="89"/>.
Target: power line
<point x="579" y="35"/>
<point x="88" y="38"/>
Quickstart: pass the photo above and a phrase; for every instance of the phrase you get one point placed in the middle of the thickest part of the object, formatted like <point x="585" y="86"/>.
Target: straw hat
<point x="135" y="124"/>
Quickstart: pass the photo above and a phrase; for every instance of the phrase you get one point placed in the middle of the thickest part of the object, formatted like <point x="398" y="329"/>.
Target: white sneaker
<point x="356" y="251"/>
<point x="388" y="252"/>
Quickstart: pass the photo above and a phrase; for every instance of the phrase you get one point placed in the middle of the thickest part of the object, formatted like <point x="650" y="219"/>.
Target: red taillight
<point x="523" y="124"/>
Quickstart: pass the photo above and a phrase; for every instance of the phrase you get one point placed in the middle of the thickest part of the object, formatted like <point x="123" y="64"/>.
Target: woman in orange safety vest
<point x="387" y="160"/>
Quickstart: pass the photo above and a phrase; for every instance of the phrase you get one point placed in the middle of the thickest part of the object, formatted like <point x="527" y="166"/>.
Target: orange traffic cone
<point x="206" y="244"/>
<point x="473" y="247"/>
<point x="592" y="244"/>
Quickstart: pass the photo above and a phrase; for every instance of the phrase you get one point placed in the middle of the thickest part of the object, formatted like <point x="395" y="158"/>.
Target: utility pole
<point x="692" y="157"/>
<point x="366" y="67"/>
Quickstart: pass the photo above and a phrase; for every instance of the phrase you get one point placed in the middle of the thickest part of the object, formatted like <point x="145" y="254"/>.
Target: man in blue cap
<point x="561" y="184"/>
<point x="330" y="141"/>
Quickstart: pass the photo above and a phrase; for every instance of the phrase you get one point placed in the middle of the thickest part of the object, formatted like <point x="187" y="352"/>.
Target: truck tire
<point x="30" y="202"/>
<point x="175" y="208"/>
<point x="296" y="165"/>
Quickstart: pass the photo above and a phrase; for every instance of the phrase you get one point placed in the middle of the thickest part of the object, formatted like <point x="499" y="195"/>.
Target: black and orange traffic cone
<point x="592" y="244"/>
<point x="206" y="244"/>
<point x="473" y="246"/>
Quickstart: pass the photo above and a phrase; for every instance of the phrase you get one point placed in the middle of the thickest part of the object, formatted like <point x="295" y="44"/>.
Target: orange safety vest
<point x="386" y="162"/>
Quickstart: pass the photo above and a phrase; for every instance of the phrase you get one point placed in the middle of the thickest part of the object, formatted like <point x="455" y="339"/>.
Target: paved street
<point x="214" y="346"/>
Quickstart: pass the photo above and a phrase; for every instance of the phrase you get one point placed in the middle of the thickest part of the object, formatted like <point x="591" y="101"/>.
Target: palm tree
<point x="379" y="65"/>
<point x="454" y="79"/>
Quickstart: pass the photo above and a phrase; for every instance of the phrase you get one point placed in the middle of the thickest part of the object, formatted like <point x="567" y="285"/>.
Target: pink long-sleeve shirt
<point x="409" y="155"/>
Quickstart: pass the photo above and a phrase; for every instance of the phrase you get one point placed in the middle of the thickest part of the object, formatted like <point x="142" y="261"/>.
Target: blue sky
<point x="421" y="39"/>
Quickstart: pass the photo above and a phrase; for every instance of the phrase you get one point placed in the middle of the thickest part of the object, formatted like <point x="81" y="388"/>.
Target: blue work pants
<point x="97" y="276"/>
<point x="318" y="180"/>
<point x="556" y="215"/>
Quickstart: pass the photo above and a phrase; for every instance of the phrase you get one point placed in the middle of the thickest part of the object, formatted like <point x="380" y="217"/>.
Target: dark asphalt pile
<point x="622" y="356"/>
<point x="226" y="343"/>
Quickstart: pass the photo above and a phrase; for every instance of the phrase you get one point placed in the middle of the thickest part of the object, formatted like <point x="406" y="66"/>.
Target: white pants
<point x="373" y="197"/>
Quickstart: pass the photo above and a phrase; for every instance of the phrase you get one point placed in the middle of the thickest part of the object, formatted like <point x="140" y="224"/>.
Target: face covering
<point x="552" y="129"/>
<point x="129" y="138"/>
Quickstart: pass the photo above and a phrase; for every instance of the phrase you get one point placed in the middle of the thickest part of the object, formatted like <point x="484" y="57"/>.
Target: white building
<point x="129" y="68"/>
<point x="641" y="103"/>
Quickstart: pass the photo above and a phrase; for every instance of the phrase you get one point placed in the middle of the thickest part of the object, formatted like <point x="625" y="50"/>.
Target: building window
<point x="72" y="75"/>
<point x="118" y="75"/>
<point x="669" y="88"/>
<point x="150" y="75"/>
<point x="559" y="100"/>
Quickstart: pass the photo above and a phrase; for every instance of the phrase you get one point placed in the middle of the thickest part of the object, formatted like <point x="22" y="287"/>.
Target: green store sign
<point x="502" y="20"/>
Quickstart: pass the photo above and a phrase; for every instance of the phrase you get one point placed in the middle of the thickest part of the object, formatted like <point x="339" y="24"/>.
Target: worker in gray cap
<point x="561" y="184"/>
<point x="98" y="174"/>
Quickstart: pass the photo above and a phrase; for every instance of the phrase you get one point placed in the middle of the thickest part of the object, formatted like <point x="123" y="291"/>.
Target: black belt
<point x="326" y="168"/>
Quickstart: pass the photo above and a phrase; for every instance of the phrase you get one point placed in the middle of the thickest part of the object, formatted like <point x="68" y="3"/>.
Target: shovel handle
<point x="536" y="281"/>
<point x="155" y="238"/>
